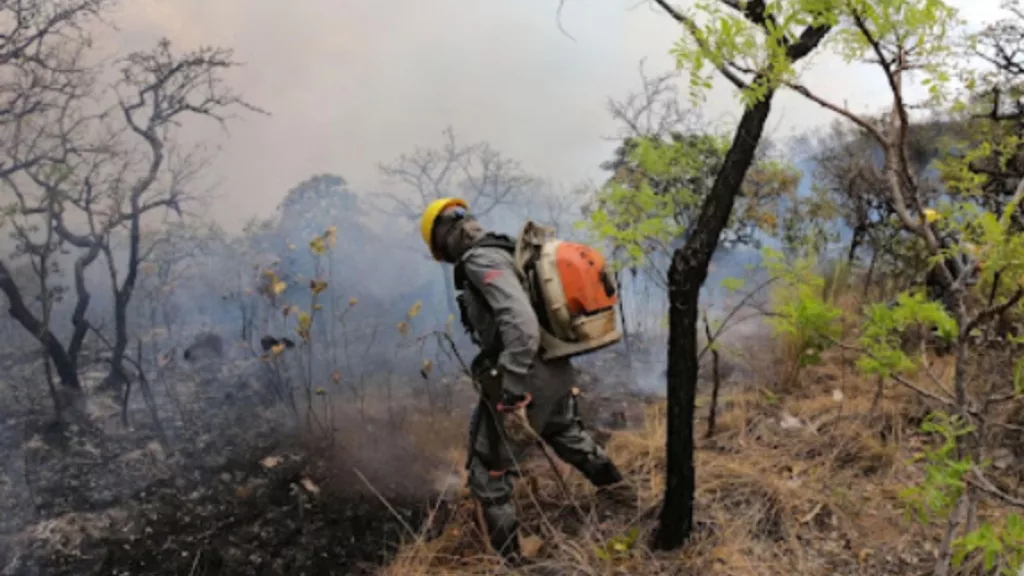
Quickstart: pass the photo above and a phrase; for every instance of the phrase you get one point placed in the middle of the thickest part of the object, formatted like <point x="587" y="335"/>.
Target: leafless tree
<point x="553" y="205"/>
<point x="477" y="173"/>
<point x="41" y="97"/>
<point x="653" y="111"/>
<point x="158" y="89"/>
<point x="91" y="174"/>
<point x="169" y="254"/>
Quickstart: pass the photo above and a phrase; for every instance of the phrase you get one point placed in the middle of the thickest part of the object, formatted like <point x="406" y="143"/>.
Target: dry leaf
<point x="270" y="462"/>
<point x="310" y="487"/>
<point x="530" y="546"/>
<point x="166" y="358"/>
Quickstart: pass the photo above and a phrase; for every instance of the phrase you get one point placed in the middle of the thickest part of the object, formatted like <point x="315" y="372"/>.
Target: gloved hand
<point x="512" y="410"/>
<point x="512" y="400"/>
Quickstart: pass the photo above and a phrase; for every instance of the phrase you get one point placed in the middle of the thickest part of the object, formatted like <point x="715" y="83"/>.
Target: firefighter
<point x="521" y="394"/>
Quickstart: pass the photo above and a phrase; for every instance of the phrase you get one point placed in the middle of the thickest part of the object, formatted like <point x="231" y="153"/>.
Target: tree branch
<point x="698" y="37"/>
<point x="978" y="480"/>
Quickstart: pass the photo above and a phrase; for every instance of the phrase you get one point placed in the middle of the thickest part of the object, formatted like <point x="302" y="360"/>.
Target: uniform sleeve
<point x="495" y="277"/>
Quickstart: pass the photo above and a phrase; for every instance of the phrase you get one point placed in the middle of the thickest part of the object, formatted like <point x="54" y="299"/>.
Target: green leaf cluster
<point x="880" y="336"/>
<point x="723" y="36"/>
<point x="657" y="190"/>
<point x="619" y="547"/>
<point x="943" y="484"/>
<point x="801" y="311"/>
<point x="1001" y="545"/>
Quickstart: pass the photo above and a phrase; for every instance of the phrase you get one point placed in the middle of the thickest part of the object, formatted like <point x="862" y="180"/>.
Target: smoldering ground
<point x="227" y="487"/>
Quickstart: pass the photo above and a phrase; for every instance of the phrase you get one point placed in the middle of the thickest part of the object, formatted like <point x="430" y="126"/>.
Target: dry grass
<point x="802" y="483"/>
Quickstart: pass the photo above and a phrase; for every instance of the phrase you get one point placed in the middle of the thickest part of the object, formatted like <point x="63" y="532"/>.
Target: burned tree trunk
<point x="687" y="275"/>
<point x="81" y="325"/>
<point x="122" y="298"/>
<point x="20" y="312"/>
<point x="855" y="242"/>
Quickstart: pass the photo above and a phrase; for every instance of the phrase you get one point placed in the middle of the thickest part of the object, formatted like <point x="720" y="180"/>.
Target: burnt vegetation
<point x="820" y="373"/>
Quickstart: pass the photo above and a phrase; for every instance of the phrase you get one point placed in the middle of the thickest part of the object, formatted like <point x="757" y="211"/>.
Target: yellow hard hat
<point x="430" y="214"/>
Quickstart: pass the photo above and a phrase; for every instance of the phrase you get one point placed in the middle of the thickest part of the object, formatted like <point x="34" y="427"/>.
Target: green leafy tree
<point x="655" y="195"/>
<point x="755" y="46"/>
<point x="803" y="313"/>
<point x="970" y="246"/>
<point x="479" y="174"/>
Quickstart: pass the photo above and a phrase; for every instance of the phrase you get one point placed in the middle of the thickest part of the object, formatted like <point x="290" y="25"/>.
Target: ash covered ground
<point x="229" y="482"/>
<point x="226" y="485"/>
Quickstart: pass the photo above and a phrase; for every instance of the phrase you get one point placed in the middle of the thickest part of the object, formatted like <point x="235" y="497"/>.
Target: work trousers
<point x="491" y="477"/>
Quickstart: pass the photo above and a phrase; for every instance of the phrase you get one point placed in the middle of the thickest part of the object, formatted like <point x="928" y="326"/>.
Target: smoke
<point x="371" y="378"/>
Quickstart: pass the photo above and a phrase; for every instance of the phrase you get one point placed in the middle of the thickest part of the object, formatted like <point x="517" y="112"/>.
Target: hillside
<point x="805" y="481"/>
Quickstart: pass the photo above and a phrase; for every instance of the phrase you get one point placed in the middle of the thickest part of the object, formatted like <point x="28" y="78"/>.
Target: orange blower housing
<point x="579" y="296"/>
<point x="585" y="281"/>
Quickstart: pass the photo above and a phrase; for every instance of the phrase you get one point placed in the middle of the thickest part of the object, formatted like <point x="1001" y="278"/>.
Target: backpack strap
<point x="489" y="240"/>
<point x="463" y="283"/>
<point x="524" y="264"/>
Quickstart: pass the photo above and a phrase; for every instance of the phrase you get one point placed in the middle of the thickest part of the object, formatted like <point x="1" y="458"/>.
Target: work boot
<point x="615" y="495"/>
<point x="506" y="544"/>
<point x="502" y="531"/>
<point x="620" y="496"/>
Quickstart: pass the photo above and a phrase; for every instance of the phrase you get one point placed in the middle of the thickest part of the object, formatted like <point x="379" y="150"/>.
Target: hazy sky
<point x="351" y="83"/>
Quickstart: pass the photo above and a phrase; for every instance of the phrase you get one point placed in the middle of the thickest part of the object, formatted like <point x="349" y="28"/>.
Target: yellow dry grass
<point x="805" y="481"/>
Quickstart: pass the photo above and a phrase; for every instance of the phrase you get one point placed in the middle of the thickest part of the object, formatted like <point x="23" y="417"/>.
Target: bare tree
<point x="554" y="206"/>
<point x="44" y="86"/>
<point x="169" y="255"/>
<point x="653" y="111"/>
<point x="158" y="89"/>
<point x="477" y="173"/>
<point x="89" y="178"/>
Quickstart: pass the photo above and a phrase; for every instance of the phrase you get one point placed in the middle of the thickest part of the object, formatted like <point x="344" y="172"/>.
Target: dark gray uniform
<point x="501" y="317"/>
